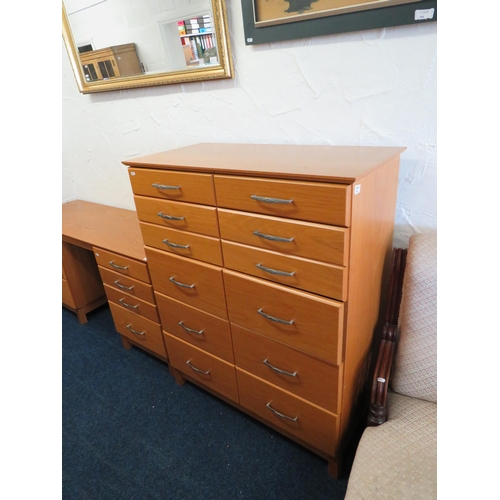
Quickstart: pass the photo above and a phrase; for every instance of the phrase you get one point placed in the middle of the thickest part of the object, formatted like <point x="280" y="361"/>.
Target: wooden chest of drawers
<point x="267" y="263"/>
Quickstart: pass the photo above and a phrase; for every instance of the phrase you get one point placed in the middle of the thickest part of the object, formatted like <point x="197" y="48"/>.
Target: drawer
<point x="298" y="319"/>
<point x="195" y="246"/>
<point x="292" y="370"/>
<point x="311" y="241"/>
<point x="303" y="420"/>
<point x="195" y="283"/>
<point x="209" y="370"/>
<point x="123" y="265"/>
<point x="310" y="201"/>
<point x="184" y="216"/>
<point x="131" y="286"/>
<point x="132" y="303"/>
<point x="203" y="330"/>
<point x="173" y="185"/>
<point x="305" y="274"/>
<point x="141" y="330"/>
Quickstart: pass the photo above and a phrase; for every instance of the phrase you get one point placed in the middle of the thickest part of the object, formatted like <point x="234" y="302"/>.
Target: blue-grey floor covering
<point x="130" y="432"/>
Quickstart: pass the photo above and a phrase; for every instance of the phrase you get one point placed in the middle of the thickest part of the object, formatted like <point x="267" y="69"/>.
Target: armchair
<point x="397" y="455"/>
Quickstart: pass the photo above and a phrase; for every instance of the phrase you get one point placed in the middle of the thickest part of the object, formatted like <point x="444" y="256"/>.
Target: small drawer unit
<point x="131" y="299"/>
<point x="267" y="263"/>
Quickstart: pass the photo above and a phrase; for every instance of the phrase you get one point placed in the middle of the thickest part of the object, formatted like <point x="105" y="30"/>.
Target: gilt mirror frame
<point x="222" y="70"/>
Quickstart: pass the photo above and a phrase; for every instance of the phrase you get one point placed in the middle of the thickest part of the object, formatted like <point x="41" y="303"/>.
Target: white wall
<point x="370" y="88"/>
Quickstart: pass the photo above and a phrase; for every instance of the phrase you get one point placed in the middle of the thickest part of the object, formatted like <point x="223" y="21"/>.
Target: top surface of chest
<point x="339" y="164"/>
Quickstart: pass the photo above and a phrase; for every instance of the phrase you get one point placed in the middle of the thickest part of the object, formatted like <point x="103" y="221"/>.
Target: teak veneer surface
<point x="88" y="224"/>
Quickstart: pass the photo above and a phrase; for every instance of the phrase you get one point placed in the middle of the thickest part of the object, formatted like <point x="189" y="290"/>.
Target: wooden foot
<point x="82" y="316"/>
<point x="179" y="379"/>
<point x="333" y="467"/>
<point x="126" y="342"/>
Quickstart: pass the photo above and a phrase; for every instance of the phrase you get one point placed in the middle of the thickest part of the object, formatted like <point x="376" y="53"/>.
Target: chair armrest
<point x="377" y="413"/>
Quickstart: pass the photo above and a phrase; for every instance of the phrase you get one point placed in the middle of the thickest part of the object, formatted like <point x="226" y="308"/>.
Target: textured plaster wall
<point x="370" y="88"/>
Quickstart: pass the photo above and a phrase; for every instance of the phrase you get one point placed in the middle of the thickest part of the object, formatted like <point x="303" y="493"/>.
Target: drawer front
<point x="203" y="330"/>
<point x="186" y="280"/>
<point x="306" y="421"/>
<point x="132" y="303"/>
<point x="131" y="286"/>
<point x="209" y="370"/>
<point x="145" y="332"/>
<point x="300" y="320"/>
<point x="287" y="368"/>
<point x="183" y="216"/>
<point x="311" y="241"/>
<point x="173" y="185"/>
<point x="123" y="265"/>
<point x="194" y="246"/>
<point x="310" y="201"/>
<point x="305" y="274"/>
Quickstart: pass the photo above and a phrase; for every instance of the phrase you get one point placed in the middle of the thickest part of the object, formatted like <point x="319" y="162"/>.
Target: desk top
<point x="87" y="224"/>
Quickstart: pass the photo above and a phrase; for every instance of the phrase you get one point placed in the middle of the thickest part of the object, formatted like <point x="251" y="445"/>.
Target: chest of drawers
<point x="131" y="300"/>
<point x="267" y="263"/>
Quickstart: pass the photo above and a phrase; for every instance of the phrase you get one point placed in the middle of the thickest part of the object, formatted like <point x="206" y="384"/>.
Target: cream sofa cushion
<point x="398" y="459"/>
<point x="415" y="368"/>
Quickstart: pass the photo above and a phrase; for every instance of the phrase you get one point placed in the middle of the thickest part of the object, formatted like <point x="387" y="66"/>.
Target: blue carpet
<point x="130" y="432"/>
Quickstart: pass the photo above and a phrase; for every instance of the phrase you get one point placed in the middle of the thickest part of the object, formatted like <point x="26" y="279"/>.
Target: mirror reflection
<point x="122" y="43"/>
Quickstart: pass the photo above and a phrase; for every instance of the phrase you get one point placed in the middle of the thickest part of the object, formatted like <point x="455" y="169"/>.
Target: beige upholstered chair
<point x="398" y="458"/>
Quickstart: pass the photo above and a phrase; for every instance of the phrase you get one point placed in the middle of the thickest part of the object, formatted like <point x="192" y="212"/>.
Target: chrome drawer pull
<point x="265" y="199"/>
<point x="135" y="332"/>
<point x="271" y="237"/>
<point x="178" y="283"/>
<point x="116" y="266"/>
<point x="123" y="287"/>
<point x="188" y="362"/>
<point x="266" y="362"/>
<point x="272" y="318"/>
<point x="274" y="271"/>
<point x="190" y="330"/>
<point x="164" y="187"/>
<point x="281" y="414"/>
<point x="169" y="217"/>
<point x="174" y="245"/>
<point x="128" y="305"/>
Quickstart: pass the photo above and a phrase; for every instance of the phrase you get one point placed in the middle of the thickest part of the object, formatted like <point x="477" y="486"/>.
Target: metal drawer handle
<point x="128" y="305"/>
<point x="272" y="318"/>
<point x="190" y="330"/>
<point x="271" y="237"/>
<point x="164" y="187"/>
<point x="135" y="332"/>
<point x="178" y="283"/>
<point x="116" y="266"/>
<point x="281" y="414"/>
<point x="169" y="217"/>
<point x="123" y="287"/>
<point x="188" y="362"/>
<point x="174" y="245"/>
<point x="266" y="362"/>
<point x="273" y="271"/>
<point x="265" y="199"/>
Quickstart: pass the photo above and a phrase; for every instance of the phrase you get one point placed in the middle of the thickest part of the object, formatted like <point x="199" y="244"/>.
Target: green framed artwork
<point x="267" y="21"/>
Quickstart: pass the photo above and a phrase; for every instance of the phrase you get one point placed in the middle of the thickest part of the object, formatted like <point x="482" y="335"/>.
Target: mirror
<point x="123" y="44"/>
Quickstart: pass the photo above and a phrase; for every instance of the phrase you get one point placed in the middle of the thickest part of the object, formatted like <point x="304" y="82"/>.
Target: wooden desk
<point x="86" y="225"/>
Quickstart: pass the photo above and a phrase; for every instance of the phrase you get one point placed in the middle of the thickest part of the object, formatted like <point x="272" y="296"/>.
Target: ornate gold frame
<point x="223" y="70"/>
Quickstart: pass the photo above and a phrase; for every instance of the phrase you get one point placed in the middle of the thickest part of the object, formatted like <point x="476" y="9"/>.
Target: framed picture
<point x="267" y="21"/>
